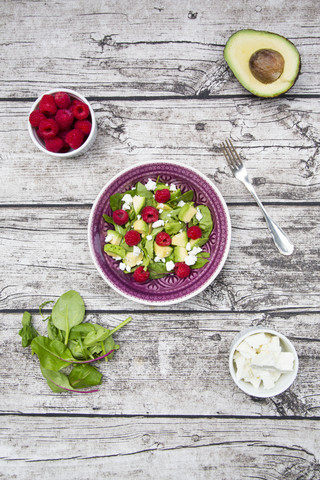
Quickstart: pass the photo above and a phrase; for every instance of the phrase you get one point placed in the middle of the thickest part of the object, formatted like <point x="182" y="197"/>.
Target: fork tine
<point x="228" y="154"/>
<point x="236" y="158"/>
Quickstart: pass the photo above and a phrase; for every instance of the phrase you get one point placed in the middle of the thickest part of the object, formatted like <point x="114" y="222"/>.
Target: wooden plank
<point x="278" y="140"/>
<point x="45" y="252"/>
<point x="168" y="364"/>
<point x="137" y="448"/>
<point x="117" y="48"/>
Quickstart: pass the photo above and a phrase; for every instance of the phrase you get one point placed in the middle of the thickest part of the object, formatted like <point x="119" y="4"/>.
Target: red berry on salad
<point x="64" y="118"/>
<point x="80" y="111"/>
<point x="162" y="196"/>
<point x="83" y="125"/>
<point x="141" y="275"/>
<point x="194" y="232"/>
<point x="47" y="105"/>
<point x="48" y="128"/>
<point x="62" y="99"/>
<point x="182" y="270"/>
<point x="74" y="138"/>
<point x="150" y="214"/>
<point x="120" y="217"/>
<point x="132" y="238"/>
<point x="54" y="144"/>
<point x="163" y="239"/>
<point x="36" y="117"/>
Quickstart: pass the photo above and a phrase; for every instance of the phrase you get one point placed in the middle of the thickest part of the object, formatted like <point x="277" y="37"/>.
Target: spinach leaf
<point x="58" y="382"/>
<point x="52" y="354"/>
<point x="68" y="311"/>
<point x="109" y="219"/>
<point x="97" y="335"/>
<point x="202" y="259"/>
<point x="27" y="332"/>
<point x="115" y="201"/>
<point x="157" y="270"/>
<point x="41" y="307"/>
<point x="53" y="332"/>
<point x="142" y="191"/>
<point x="82" y="376"/>
<point x="185" y="197"/>
<point x="206" y="223"/>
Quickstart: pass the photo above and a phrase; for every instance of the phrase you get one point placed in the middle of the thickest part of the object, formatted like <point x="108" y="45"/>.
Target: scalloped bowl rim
<point x="194" y="292"/>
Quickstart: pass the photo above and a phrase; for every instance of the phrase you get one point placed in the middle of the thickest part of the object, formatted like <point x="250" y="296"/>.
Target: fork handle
<point x="280" y="239"/>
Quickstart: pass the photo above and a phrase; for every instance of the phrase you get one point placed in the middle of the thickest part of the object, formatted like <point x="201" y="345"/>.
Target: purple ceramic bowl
<point x="170" y="289"/>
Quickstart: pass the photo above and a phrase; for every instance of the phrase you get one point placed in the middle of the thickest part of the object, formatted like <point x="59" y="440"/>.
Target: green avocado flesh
<point x="266" y="64"/>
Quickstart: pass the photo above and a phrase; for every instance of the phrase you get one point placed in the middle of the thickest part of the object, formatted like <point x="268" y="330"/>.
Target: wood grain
<point x="45" y="253"/>
<point x="124" y="49"/>
<point x="278" y="140"/>
<point x="168" y="364"/>
<point x="160" y="448"/>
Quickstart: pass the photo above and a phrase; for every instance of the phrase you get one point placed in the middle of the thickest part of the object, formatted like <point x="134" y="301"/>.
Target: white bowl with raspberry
<point x="62" y="123"/>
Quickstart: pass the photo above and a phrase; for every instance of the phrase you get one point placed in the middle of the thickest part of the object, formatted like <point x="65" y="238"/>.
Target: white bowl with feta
<point x="263" y="362"/>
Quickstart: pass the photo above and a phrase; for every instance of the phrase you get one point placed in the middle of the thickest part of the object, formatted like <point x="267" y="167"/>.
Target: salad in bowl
<point x="159" y="233"/>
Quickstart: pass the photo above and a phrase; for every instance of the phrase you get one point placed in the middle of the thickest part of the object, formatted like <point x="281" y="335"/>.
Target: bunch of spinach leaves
<point x="70" y="343"/>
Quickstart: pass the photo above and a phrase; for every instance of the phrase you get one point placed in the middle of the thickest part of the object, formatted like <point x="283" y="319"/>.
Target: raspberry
<point x="120" y="217"/>
<point x="140" y="274"/>
<point x="48" y="128"/>
<point x="47" y="105"/>
<point x="83" y="125"/>
<point x="65" y="147"/>
<point x="74" y="138"/>
<point x="150" y="214"/>
<point x="80" y="111"/>
<point x="163" y="239"/>
<point x="182" y="270"/>
<point x="64" y="118"/>
<point x="132" y="238"/>
<point x="194" y="232"/>
<point x="62" y="100"/>
<point x="35" y="118"/>
<point x="54" y="144"/>
<point x="162" y="196"/>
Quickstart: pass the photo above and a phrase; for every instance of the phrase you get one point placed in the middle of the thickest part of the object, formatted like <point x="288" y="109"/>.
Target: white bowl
<point x="72" y="153"/>
<point x="284" y="381"/>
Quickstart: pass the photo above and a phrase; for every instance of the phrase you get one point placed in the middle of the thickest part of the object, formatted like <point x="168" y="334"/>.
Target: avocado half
<point x="265" y="63"/>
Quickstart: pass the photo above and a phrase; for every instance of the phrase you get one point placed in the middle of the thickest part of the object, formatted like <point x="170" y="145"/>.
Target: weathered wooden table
<point x="155" y="75"/>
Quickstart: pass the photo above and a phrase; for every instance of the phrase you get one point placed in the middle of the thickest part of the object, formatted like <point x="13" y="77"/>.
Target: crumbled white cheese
<point x="195" y="251"/>
<point x="125" y="206"/>
<point x="169" y="266"/>
<point x="157" y="259"/>
<point x="160" y="210"/>
<point x="198" y="215"/>
<point x="260" y="360"/>
<point x="160" y="205"/>
<point x="168" y="214"/>
<point x="128" y="268"/>
<point x="122" y="266"/>
<point x="181" y="203"/>
<point x="149" y="237"/>
<point x="163" y="260"/>
<point x="127" y="199"/>
<point x="173" y="188"/>
<point x="108" y="238"/>
<point x="167" y="184"/>
<point x="139" y="263"/>
<point x="188" y="246"/>
<point x="151" y="185"/>
<point x="158" y="223"/>
<point x="190" y="260"/>
<point x="136" y="251"/>
<point x="117" y="258"/>
<point x="138" y="217"/>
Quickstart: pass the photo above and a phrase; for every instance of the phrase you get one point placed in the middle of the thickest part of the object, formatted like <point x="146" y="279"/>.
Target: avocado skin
<point x="248" y="31"/>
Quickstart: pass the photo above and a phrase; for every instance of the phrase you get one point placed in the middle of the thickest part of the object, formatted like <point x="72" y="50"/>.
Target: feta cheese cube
<point x="285" y="362"/>
<point x="149" y="237"/>
<point x="170" y="266"/>
<point x="108" y="238"/>
<point x="158" y="223"/>
<point x="190" y="260"/>
<point x="136" y="251"/>
<point x="127" y="199"/>
<point x="198" y="215"/>
<point x="125" y="206"/>
<point x="181" y="203"/>
<point x="173" y="188"/>
<point x="122" y="266"/>
<point x="188" y="246"/>
<point x="151" y="185"/>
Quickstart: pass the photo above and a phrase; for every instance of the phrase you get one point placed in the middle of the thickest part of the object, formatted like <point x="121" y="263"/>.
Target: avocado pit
<point x="266" y="65"/>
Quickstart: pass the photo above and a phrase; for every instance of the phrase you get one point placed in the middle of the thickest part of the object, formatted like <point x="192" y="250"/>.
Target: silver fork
<point x="239" y="171"/>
